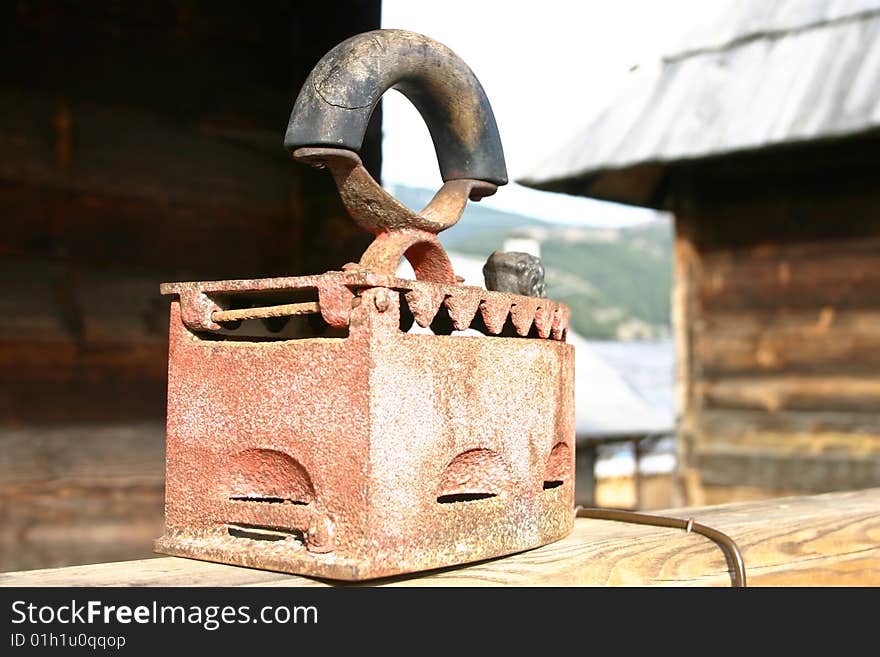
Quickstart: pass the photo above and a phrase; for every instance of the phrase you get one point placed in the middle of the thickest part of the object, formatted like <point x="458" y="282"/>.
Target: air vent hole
<point x="464" y="497"/>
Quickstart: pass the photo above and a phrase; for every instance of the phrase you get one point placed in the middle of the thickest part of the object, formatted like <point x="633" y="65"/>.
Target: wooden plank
<point x="803" y="432"/>
<point x="685" y="307"/>
<point x="771" y="210"/>
<point x="723" y="494"/>
<point x="811" y="541"/>
<point x="80" y="494"/>
<point x="175" y="61"/>
<point x="819" y="340"/>
<point x="59" y="382"/>
<point x="46" y="301"/>
<point x="66" y="521"/>
<point x="784" y="276"/>
<point x="793" y="392"/>
<point x="770" y="470"/>
<point x="162" y="160"/>
<point x="84" y="452"/>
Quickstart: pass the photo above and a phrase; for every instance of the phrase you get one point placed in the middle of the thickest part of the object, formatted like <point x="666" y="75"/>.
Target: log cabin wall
<point x="777" y="315"/>
<point x="139" y="143"/>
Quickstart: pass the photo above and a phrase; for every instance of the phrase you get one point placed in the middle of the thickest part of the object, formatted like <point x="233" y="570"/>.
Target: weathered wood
<point x="186" y="61"/>
<point x="60" y="382"/>
<point x="820" y="540"/>
<point x="685" y="306"/>
<point x="793" y="392"/>
<point x="80" y="494"/>
<point x="780" y="471"/>
<point x="817" y="431"/>
<point x="162" y="160"/>
<point x="83" y="452"/>
<point x="820" y="340"/>
<point x="741" y="209"/>
<point x="778" y="318"/>
<point x="138" y="144"/>
<point x="61" y="231"/>
<point x="788" y="276"/>
<point x="79" y="521"/>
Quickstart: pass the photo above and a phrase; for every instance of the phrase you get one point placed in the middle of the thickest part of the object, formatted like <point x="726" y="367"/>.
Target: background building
<point x="761" y="135"/>
<point x="139" y="143"/>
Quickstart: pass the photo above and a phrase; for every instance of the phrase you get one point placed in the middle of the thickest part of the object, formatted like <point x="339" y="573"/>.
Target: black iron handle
<point x="340" y="94"/>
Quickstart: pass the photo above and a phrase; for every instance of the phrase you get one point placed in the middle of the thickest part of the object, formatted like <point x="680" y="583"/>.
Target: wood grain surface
<point x="820" y="540"/>
<point x="777" y="320"/>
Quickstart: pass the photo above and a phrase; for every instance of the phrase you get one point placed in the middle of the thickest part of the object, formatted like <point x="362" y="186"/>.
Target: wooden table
<point x="831" y="539"/>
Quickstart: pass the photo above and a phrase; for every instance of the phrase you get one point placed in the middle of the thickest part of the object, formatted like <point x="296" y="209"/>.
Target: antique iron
<point x="308" y="431"/>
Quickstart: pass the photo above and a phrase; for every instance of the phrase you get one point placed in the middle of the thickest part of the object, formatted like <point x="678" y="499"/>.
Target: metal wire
<point x="727" y="544"/>
<point x="284" y="310"/>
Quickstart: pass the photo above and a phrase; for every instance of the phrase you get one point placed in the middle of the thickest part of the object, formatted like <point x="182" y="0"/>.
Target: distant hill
<point x="616" y="281"/>
<point x="477" y="219"/>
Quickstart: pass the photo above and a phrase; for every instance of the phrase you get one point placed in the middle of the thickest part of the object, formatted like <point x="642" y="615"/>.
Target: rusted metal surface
<point x="358" y="449"/>
<point x="399" y="231"/>
<point x="467" y="305"/>
<point x="259" y="312"/>
<point x="377" y="211"/>
<point x="349" y="453"/>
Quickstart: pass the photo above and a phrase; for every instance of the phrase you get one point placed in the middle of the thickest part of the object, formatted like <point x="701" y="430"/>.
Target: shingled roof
<point x="757" y="75"/>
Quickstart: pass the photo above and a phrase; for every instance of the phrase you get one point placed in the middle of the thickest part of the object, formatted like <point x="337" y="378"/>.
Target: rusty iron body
<point x="310" y="432"/>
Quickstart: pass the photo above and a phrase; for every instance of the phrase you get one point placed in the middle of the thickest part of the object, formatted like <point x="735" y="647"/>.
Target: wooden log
<point x="844" y="274"/>
<point x="804" y="251"/>
<point x="164" y="161"/>
<point x="856" y="433"/>
<point x="83" y="453"/>
<point x="831" y="539"/>
<point x="785" y="451"/>
<point x="79" y="521"/>
<point x="80" y="494"/>
<point x="586" y="455"/>
<point x="189" y="62"/>
<point x="685" y="307"/>
<point x="845" y="280"/>
<point x="770" y="470"/>
<point x="793" y="392"/>
<point x="62" y="381"/>
<point x="819" y="340"/>
<point x="832" y="204"/>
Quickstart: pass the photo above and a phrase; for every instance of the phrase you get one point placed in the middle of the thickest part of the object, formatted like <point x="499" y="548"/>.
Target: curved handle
<point x="340" y="94"/>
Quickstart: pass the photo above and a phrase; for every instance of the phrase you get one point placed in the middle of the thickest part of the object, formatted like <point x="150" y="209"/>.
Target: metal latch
<point x="309" y="431"/>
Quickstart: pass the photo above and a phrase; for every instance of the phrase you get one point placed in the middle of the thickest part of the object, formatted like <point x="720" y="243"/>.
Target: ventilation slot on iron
<point x="267" y="476"/>
<point x="464" y="497"/>
<point x="266" y="500"/>
<point x="261" y="533"/>
<point x="269" y="317"/>
<point x="477" y="474"/>
<point x="558" y="466"/>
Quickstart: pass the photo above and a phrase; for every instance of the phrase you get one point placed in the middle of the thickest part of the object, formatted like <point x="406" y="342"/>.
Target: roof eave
<point x="641" y="184"/>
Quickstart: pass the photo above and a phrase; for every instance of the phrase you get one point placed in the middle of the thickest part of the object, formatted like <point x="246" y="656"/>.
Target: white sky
<point x="547" y="66"/>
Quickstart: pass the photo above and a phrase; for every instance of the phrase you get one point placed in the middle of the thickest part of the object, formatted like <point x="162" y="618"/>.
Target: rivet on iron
<point x="382" y="301"/>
